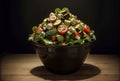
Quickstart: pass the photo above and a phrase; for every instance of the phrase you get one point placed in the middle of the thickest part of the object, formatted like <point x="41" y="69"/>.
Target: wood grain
<point x="28" y="67"/>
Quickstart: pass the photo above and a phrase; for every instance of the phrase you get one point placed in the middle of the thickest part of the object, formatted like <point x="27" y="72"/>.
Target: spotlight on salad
<point x="62" y="27"/>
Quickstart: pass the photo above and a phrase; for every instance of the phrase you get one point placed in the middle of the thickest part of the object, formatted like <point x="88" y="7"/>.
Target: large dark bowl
<point x="62" y="59"/>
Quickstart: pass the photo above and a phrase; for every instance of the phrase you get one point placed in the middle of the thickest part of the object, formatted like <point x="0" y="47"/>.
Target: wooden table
<point x="27" y="67"/>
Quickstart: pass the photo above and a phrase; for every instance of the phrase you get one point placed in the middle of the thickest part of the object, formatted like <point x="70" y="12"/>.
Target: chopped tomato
<point x="77" y="35"/>
<point x="86" y="29"/>
<point x="53" y="37"/>
<point x="37" y="30"/>
<point x="62" y="29"/>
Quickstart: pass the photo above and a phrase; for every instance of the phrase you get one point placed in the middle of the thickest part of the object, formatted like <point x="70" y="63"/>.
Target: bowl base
<point x="62" y="72"/>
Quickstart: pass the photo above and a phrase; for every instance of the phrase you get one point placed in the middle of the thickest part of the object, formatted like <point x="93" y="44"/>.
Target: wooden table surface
<point x="27" y="67"/>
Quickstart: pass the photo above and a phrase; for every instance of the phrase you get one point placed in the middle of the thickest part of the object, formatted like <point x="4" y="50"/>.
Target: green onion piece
<point x="65" y="9"/>
<point x="67" y="22"/>
<point x="57" y="10"/>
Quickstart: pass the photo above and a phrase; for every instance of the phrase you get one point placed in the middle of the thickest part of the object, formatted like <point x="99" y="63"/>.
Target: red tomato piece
<point x="77" y="35"/>
<point x="53" y="37"/>
<point x="86" y="29"/>
<point x="62" y="29"/>
<point x="37" y="30"/>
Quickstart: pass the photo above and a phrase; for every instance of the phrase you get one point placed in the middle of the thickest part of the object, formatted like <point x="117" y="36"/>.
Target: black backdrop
<point x="18" y="17"/>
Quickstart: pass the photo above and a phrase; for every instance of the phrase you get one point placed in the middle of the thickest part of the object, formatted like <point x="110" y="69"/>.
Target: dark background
<point x="18" y="16"/>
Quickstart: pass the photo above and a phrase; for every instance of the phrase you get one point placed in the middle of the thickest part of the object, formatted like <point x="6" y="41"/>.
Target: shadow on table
<point x="86" y="71"/>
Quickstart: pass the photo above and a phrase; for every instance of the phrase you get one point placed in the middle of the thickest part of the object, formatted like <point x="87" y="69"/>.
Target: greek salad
<point x="62" y="28"/>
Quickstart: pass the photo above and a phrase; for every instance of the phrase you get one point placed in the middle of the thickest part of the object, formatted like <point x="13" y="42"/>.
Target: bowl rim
<point x="52" y="45"/>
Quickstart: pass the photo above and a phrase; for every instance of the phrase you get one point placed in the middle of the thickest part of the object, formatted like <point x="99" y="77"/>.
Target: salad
<point x="62" y="28"/>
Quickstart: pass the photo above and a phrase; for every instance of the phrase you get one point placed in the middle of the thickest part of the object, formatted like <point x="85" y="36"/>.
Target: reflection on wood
<point x="27" y="67"/>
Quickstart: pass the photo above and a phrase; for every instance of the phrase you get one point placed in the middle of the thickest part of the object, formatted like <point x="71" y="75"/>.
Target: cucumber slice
<point x="57" y="22"/>
<point x="47" y="42"/>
